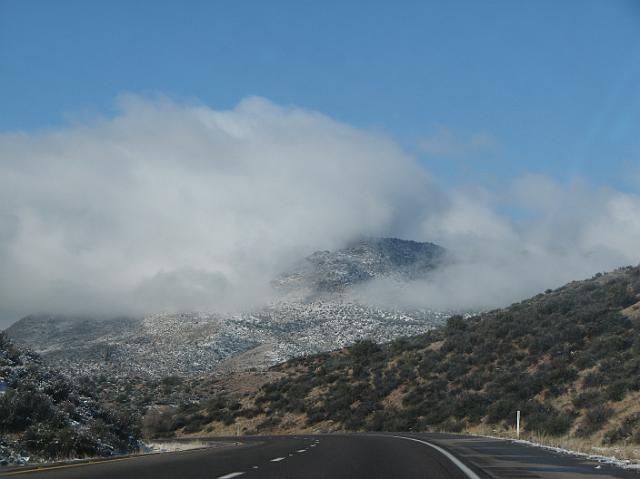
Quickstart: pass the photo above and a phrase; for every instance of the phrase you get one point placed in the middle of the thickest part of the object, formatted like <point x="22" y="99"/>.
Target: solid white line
<point x="229" y="476"/>
<point x="278" y="459"/>
<point x="462" y="466"/>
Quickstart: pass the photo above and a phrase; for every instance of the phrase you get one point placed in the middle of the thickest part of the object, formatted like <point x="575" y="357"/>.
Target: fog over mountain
<point x="170" y="207"/>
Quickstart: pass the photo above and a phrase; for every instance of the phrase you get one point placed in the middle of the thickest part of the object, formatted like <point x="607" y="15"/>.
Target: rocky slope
<point x="315" y="313"/>
<point x="336" y="271"/>
<point x="569" y="359"/>
<point x="45" y="416"/>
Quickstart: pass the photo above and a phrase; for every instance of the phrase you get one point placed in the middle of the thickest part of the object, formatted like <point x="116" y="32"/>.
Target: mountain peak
<point x="360" y="261"/>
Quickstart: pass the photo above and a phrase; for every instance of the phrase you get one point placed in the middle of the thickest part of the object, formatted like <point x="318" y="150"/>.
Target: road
<point x="352" y="456"/>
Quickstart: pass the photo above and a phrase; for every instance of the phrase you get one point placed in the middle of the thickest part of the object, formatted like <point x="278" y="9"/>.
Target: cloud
<point x="561" y="233"/>
<point x="169" y="206"/>
<point x="444" y="142"/>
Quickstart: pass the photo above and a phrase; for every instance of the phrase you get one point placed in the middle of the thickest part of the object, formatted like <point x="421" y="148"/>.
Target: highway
<point x="352" y="456"/>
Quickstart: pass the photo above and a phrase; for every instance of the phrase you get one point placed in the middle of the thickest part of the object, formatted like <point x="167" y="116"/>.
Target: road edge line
<point x="459" y="464"/>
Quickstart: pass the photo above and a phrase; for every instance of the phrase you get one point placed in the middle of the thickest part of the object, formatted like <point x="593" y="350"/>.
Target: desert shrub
<point x="593" y="379"/>
<point x="192" y="427"/>
<point x="629" y="430"/>
<point x="59" y="389"/>
<point x="54" y="443"/>
<point x="593" y="420"/>
<point x="455" y="325"/>
<point x="452" y="425"/>
<point x="159" y="423"/>
<point x="617" y="390"/>
<point x="23" y="407"/>
<point x="269" y="423"/>
<point x="588" y="399"/>
<point x="545" y="419"/>
<point x="470" y="405"/>
<point x="390" y="419"/>
<point x="501" y="410"/>
<point x="364" y="351"/>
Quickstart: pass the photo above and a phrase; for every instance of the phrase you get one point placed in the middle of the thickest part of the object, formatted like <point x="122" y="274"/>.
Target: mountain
<point x="361" y="261"/>
<point x="568" y="359"/>
<point x="314" y="312"/>
<point x="46" y="416"/>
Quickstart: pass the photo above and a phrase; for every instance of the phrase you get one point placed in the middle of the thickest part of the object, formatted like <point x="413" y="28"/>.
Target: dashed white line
<point x="229" y="476"/>
<point x="301" y="450"/>
<point x="278" y="459"/>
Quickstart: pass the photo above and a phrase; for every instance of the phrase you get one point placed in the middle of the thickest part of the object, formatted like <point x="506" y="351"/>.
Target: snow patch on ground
<point x="609" y="460"/>
<point x="613" y="461"/>
<point x="173" y="446"/>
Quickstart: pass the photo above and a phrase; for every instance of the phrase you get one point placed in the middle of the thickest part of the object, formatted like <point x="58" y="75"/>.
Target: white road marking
<point x="255" y="467"/>
<point x="229" y="476"/>
<point x="277" y="459"/>
<point x="301" y="450"/>
<point x="461" y="465"/>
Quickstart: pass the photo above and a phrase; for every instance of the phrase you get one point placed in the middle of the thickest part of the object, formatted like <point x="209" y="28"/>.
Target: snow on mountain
<point x="314" y="313"/>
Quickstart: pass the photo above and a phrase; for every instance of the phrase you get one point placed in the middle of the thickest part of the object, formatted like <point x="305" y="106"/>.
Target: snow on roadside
<point x="602" y="459"/>
<point x="613" y="461"/>
<point x="173" y="446"/>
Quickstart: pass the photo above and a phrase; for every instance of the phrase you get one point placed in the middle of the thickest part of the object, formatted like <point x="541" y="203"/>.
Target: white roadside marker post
<point x="518" y="424"/>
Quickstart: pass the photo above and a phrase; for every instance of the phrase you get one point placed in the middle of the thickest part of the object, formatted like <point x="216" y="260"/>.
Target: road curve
<point x="352" y="456"/>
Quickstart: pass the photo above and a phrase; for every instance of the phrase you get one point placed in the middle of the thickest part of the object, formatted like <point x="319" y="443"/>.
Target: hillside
<point x="312" y="312"/>
<point x="45" y="416"/>
<point x="569" y="359"/>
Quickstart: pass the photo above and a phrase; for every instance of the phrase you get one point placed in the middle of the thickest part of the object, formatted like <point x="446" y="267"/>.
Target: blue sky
<point x="499" y="87"/>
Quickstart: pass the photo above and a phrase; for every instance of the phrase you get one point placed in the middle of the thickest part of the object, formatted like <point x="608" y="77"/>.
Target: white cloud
<point x="172" y="206"/>
<point x="566" y="233"/>
<point x="169" y="206"/>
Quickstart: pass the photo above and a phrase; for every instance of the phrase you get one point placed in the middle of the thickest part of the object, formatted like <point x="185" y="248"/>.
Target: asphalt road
<point x="353" y="456"/>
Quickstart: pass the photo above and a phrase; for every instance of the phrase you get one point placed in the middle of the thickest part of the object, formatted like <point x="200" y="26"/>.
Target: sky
<point x="507" y="131"/>
<point x="553" y="84"/>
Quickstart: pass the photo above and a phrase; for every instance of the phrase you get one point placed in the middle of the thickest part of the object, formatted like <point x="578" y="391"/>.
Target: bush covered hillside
<point x="44" y="416"/>
<point x="569" y="359"/>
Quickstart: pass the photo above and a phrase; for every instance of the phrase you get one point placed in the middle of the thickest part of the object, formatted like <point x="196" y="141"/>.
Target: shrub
<point x="545" y="419"/>
<point x="629" y="430"/>
<point x="617" y="390"/>
<point x="501" y="410"/>
<point x="588" y="399"/>
<point x="593" y="420"/>
<point x="159" y="423"/>
<point x="364" y="350"/>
